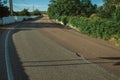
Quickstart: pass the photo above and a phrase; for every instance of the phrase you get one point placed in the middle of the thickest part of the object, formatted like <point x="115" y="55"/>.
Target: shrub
<point x="96" y="27"/>
<point x="117" y="13"/>
<point x="64" y="19"/>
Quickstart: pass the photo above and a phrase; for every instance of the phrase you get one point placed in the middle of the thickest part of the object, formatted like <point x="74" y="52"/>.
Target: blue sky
<point x="39" y="4"/>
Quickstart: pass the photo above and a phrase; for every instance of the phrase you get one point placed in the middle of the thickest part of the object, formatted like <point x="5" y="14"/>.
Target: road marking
<point x="7" y="58"/>
<point x="17" y="28"/>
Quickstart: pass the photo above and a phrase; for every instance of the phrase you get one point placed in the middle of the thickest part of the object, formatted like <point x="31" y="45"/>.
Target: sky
<point x="42" y="5"/>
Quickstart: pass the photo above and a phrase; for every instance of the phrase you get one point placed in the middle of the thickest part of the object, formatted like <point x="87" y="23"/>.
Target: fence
<point x="13" y="19"/>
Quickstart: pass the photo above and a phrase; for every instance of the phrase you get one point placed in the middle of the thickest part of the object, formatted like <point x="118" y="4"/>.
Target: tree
<point x="114" y="2"/>
<point x="87" y="8"/>
<point x="36" y="12"/>
<point x="63" y="7"/>
<point x="117" y="13"/>
<point x="71" y="8"/>
<point x="106" y="11"/>
<point x="24" y="12"/>
<point x="4" y="11"/>
<point x="109" y="9"/>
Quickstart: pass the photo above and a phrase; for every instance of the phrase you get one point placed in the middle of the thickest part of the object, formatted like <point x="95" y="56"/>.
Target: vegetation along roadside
<point x="97" y="21"/>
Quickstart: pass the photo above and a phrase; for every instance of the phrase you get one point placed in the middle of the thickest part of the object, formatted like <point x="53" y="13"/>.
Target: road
<point x="35" y="54"/>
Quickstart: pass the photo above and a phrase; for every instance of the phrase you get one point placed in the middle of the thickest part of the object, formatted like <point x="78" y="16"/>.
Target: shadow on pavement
<point x="3" y="75"/>
<point x="17" y="67"/>
<point x="113" y="58"/>
<point x="71" y="62"/>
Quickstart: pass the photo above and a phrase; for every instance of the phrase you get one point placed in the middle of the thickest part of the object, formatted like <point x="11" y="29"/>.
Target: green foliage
<point x="70" y="8"/>
<point x="16" y="13"/>
<point x="63" y="7"/>
<point x="109" y="9"/>
<point x="87" y="8"/>
<point x="4" y="11"/>
<point x="24" y="12"/>
<point x="106" y="11"/>
<point x="96" y="27"/>
<point x="36" y="12"/>
<point x="64" y="19"/>
<point x="117" y="13"/>
<point x="102" y="22"/>
<point x="111" y="1"/>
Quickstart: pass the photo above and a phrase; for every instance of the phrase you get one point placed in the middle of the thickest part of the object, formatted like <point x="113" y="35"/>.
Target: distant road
<point x="43" y="50"/>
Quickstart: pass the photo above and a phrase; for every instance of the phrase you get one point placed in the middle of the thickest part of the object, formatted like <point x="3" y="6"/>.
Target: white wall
<point x="8" y="20"/>
<point x="13" y="19"/>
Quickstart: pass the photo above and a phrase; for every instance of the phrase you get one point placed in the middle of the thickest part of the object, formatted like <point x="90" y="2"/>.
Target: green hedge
<point x="96" y="27"/>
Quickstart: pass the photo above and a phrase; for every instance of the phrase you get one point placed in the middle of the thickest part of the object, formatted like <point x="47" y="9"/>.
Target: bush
<point x="117" y="13"/>
<point x="96" y="27"/>
<point x="64" y="19"/>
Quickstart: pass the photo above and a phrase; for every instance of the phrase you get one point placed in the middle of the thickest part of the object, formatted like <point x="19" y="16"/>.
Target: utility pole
<point x="11" y="7"/>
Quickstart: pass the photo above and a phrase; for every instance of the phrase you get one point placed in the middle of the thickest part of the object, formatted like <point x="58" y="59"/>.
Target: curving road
<point x="35" y="56"/>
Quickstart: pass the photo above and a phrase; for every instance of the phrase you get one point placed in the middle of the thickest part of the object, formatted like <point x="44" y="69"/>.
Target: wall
<point x="13" y="19"/>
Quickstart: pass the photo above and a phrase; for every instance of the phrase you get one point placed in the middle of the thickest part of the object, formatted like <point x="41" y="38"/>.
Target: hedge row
<point x="96" y="27"/>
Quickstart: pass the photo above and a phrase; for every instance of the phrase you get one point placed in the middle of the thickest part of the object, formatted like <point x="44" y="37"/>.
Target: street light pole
<point x="11" y="7"/>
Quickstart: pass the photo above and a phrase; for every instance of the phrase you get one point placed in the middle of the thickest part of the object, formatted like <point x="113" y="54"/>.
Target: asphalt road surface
<point x="35" y="56"/>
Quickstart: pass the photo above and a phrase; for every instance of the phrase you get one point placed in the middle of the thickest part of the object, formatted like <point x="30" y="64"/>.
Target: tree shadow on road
<point x="33" y="25"/>
<point x="67" y="62"/>
<point x="3" y="75"/>
<point x="113" y="58"/>
<point x="17" y="67"/>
